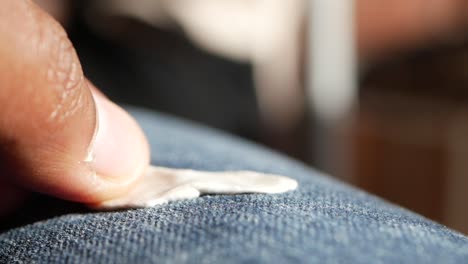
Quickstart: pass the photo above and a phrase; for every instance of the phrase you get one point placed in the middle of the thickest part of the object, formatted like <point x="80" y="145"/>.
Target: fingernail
<point x="120" y="150"/>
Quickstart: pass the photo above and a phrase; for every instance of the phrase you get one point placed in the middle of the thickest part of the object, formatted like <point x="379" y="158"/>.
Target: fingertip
<point x="119" y="152"/>
<point x="117" y="156"/>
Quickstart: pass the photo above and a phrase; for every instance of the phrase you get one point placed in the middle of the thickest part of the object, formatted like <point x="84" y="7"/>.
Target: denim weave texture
<point x="323" y="221"/>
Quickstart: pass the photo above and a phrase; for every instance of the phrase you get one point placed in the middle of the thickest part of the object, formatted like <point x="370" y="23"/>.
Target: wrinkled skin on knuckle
<point x="71" y="107"/>
<point x="42" y="64"/>
<point x="48" y="114"/>
<point x="62" y="71"/>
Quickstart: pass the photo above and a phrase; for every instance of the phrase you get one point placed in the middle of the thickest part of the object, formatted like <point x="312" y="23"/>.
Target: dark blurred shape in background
<point x="240" y="66"/>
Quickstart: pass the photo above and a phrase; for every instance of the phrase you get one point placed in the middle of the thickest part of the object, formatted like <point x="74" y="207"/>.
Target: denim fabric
<point x="324" y="221"/>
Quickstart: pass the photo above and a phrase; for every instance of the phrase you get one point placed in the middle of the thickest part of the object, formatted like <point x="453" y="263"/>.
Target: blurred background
<point x="393" y="119"/>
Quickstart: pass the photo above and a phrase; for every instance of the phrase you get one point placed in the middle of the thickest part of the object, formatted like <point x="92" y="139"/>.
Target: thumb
<point x="58" y="135"/>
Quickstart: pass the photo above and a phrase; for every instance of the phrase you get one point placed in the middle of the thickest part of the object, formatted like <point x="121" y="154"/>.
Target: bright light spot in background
<point x="332" y="62"/>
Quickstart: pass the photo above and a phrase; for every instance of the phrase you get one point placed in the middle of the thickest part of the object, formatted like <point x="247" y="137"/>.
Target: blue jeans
<point x="324" y="221"/>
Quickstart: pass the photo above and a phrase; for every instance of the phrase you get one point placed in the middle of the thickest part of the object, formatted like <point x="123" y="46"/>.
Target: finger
<point x="49" y="136"/>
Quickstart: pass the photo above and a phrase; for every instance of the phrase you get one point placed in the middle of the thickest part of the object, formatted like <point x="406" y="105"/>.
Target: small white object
<point x="160" y="185"/>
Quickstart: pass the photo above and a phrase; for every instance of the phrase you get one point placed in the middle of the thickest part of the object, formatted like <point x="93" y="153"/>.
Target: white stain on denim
<point x="160" y="185"/>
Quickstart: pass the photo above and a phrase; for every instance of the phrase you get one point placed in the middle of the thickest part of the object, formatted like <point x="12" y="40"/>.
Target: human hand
<point x="51" y="139"/>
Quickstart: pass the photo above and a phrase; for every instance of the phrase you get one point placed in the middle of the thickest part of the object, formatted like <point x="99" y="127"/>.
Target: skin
<point x="51" y="139"/>
<point x="60" y="136"/>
